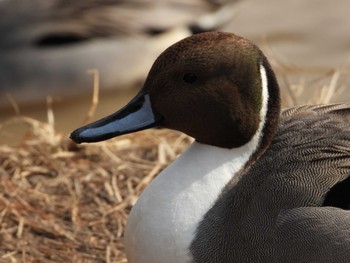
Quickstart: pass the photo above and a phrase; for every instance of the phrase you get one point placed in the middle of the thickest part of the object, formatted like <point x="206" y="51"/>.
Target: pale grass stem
<point x="95" y="94"/>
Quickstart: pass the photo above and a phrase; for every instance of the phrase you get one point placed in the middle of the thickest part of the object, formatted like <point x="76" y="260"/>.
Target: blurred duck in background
<point x="48" y="45"/>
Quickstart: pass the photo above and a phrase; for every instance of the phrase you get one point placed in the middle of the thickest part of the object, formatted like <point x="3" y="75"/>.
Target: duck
<point x="48" y="46"/>
<point x="258" y="184"/>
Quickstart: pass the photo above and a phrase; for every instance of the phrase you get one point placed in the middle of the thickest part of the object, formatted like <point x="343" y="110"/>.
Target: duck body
<point x="279" y="209"/>
<point x="257" y="185"/>
<point x="272" y="211"/>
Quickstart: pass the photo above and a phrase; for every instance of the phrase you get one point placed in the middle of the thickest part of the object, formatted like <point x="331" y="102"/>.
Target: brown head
<point x="208" y="86"/>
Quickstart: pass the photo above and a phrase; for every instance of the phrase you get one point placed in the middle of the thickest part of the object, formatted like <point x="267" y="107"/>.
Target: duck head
<point x="209" y="86"/>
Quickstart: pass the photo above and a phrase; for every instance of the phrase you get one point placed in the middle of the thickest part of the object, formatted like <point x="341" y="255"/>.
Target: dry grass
<point x="308" y="85"/>
<point x="61" y="202"/>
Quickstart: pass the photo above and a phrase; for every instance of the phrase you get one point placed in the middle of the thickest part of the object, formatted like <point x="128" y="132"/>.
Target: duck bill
<point x="137" y="115"/>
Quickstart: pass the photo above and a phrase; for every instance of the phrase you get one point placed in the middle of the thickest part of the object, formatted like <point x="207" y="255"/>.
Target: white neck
<point x="163" y="222"/>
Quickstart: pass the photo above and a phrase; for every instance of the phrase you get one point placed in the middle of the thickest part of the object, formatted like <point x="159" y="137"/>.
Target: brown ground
<point x="61" y="202"/>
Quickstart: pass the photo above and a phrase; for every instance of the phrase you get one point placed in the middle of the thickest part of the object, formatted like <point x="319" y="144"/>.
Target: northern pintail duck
<point x="46" y="47"/>
<point x="256" y="185"/>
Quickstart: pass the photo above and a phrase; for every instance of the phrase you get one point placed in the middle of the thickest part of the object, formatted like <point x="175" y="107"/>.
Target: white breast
<point x="162" y="224"/>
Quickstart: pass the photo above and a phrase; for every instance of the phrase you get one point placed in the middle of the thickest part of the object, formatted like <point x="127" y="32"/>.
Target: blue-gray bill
<point x="135" y="116"/>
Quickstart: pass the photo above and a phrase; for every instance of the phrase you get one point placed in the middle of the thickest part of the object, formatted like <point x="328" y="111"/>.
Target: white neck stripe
<point x="163" y="223"/>
<point x="264" y="97"/>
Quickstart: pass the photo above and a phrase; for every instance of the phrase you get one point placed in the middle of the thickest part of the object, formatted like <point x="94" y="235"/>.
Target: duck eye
<point x="190" y="78"/>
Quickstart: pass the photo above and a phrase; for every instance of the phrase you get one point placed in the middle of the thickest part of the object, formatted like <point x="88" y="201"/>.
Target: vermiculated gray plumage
<point x="275" y="212"/>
